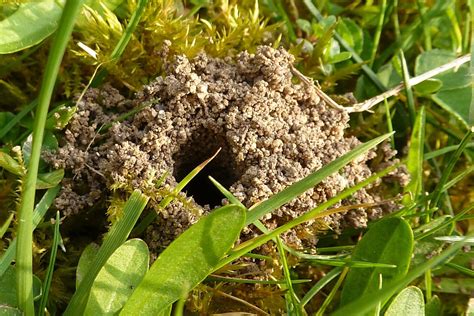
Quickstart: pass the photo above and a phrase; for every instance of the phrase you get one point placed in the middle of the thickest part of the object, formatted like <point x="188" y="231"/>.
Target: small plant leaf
<point x="409" y="302"/>
<point x="187" y="261"/>
<point x="118" y="278"/>
<point x="16" y="31"/>
<point x="10" y="311"/>
<point x="388" y="241"/>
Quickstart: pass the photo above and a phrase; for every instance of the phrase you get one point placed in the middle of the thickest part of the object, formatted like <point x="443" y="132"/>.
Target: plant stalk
<point x="24" y="273"/>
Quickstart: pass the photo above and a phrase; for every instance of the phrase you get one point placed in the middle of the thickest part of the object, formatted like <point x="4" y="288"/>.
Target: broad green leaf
<point x="388" y="241"/>
<point x="431" y="59"/>
<point x="410" y="301"/>
<point x="455" y="93"/>
<point x="49" y="179"/>
<point x="85" y="261"/>
<point x="298" y="188"/>
<point x="187" y="261"/>
<point x="118" y="278"/>
<point x="372" y="300"/>
<point x="433" y="307"/>
<point x="116" y="236"/>
<point x="31" y="23"/>
<point x="11" y="165"/>
<point x="415" y="158"/>
<point x="8" y="288"/>
<point x="455" y="101"/>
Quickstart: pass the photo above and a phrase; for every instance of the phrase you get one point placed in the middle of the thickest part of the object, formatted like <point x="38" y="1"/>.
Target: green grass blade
<point x="331" y="275"/>
<point x="368" y="302"/>
<point x="27" y="109"/>
<point x="444" y="150"/>
<point x="116" y="236"/>
<point x="25" y="222"/>
<point x="449" y="167"/>
<point x="41" y="208"/>
<point x="187" y="261"/>
<point x="317" y="212"/>
<point x="167" y="200"/>
<point x="216" y="278"/>
<point x="378" y="31"/>
<point x="49" y="272"/>
<point x="123" y="42"/>
<point x="310" y="181"/>
<point x="5" y="225"/>
<point x="414" y="161"/>
<point x="293" y="302"/>
<point x="333" y="292"/>
<point x="408" y="89"/>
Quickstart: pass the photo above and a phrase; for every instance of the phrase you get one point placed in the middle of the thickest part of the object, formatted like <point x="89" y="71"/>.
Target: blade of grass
<point x="331" y="275"/>
<point x="425" y="24"/>
<point x="27" y="109"/>
<point x="167" y="200"/>
<point x="378" y="32"/>
<point x="317" y="212"/>
<point x="123" y="42"/>
<point x="449" y="168"/>
<point x="49" y="272"/>
<point x="389" y="122"/>
<point x="464" y="270"/>
<point x="444" y="150"/>
<point x="367" y="303"/>
<point x="116" y="236"/>
<point x="41" y="208"/>
<point x="296" y="189"/>
<point x="408" y="89"/>
<point x="5" y="225"/>
<point x="458" y="178"/>
<point x="456" y="218"/>
<point x="414" y="161"/>
<point x="294" y="303"/>
<point x="24" y="258"/>
<point x="333" y="292"/>
<point x="217" y="278"/>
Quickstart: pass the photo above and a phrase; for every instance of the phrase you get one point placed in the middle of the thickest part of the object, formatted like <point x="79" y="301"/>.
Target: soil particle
<point x="272" y="132"/>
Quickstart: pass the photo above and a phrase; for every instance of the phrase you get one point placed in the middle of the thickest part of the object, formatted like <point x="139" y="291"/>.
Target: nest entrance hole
<point x="203" y="145"/>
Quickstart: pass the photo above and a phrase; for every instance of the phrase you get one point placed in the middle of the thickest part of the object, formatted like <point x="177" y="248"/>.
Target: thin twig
<point x="368" y="104"/>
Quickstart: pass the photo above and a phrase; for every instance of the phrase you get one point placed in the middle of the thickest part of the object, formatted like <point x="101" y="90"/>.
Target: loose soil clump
<point x="271" y="131"/>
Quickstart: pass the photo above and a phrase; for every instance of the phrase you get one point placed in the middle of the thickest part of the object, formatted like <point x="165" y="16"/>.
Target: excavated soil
<point x="272" y="132"/>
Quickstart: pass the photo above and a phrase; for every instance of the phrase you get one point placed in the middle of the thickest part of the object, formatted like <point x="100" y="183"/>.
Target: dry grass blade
<point x="368" y="104"/>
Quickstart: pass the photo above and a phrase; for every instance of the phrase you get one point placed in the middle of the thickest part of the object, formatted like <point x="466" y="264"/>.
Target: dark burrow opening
<point x="203" y="145"/>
